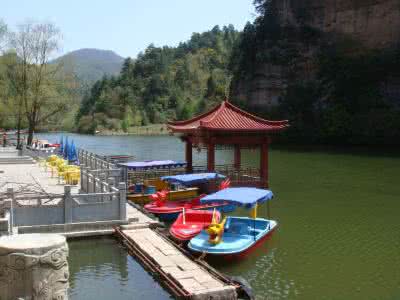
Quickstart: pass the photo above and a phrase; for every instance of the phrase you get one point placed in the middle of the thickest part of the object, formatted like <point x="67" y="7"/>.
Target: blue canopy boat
<point x="235" y="236"/>
<point x="152" y="164"/>
<point x="193" y="179"/>
<point x="169" y="210"/>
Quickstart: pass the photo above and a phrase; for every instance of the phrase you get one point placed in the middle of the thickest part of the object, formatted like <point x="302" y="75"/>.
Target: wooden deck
<point x="185" y="278"/>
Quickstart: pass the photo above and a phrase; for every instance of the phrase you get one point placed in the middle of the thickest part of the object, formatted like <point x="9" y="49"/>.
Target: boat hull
<point x="178" y="195"/>
<point x="171" y="216"/>
<point x="247" y="252"/>
<point x="185" y="228"/>
<point x="233" y="245"/>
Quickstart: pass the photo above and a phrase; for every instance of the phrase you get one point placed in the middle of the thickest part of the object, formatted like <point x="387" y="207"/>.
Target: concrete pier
<point x="33" y="266"/>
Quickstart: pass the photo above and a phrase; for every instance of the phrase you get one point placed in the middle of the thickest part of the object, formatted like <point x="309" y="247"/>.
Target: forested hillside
<point x="162" y="83"/>
<point x="90" y="65"/>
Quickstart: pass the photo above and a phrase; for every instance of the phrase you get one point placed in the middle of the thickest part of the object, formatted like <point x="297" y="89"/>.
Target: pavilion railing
<point x="245" y="176"/>
<point x="137" y="176"/>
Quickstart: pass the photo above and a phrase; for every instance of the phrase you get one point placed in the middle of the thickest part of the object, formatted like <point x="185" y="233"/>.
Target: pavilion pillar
<point x="237" y="157"/>
<point x="264" y="163"/>
<point x="189" y="157"/>
<point x="211" y="157"/>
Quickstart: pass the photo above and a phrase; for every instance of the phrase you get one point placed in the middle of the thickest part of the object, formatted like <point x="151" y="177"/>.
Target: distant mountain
<point x="90" y="65"/>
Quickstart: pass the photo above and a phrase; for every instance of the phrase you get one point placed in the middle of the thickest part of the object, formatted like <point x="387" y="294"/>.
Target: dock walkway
<point x="184" y="277"/>
<point x="30" y="178"/>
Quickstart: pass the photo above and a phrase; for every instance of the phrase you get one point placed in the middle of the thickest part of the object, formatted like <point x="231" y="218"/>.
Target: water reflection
<point x="102" y="269"/>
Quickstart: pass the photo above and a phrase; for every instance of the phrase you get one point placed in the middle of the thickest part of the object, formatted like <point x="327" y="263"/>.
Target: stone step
<point x="5" y="157"/>
<point x="76" y="234"/>
<point x="17" y="162"/>
<point x="71" y="228"/>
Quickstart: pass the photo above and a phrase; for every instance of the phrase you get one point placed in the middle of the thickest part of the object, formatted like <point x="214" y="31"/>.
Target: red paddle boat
<point x="191" y="222"/>
<point x="169" y="210"/>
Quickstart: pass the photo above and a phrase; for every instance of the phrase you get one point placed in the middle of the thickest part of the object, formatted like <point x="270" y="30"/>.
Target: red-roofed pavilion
<point x="228" y="126"/>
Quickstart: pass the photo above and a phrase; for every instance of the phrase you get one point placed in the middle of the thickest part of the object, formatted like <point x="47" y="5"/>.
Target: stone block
<point x="212" y="284"/>
<point x="188" y="266"/>
<point x="190" y="285"/>
<point x="180" y="259"/>
<point x="224" y="293"/>
<point x="33" y="266"/>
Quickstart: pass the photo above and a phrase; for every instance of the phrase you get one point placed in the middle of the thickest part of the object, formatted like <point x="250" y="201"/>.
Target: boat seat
<point x="239" y="228"/>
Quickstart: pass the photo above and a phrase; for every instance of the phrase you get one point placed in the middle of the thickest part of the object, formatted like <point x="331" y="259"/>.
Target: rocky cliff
<point x="372" y="24"/>
<point x="375" y="23"/>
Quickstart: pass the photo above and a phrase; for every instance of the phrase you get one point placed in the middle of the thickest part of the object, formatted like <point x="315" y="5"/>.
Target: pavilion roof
<point x="227" y="117"/>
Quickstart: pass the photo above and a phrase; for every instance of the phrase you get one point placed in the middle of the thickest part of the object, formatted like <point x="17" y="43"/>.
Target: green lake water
<point x="338" y="235"/>
<point x="102" y="269"/>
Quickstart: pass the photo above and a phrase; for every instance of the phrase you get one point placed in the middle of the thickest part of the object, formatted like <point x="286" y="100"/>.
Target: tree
<point x="34" y="78"/>
<point x="3" y="33"/>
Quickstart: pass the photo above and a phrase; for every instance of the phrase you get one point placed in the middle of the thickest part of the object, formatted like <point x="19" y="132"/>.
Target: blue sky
<point x="128" y="26"/>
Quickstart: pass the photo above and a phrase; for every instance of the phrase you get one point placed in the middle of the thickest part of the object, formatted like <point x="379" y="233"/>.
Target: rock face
<point x="373" y="24"/>
<point x="33" y="266"/>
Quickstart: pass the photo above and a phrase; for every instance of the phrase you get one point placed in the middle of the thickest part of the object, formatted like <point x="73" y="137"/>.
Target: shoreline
<point x="148" y="130"/>
<point x="152" y="129"/>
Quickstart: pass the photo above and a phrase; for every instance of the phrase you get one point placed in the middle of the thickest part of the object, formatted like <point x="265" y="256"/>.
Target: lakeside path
<point x="30" y="178"/>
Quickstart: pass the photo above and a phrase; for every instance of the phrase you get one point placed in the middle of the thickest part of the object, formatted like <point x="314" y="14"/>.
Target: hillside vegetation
<point x="162" y="83"/>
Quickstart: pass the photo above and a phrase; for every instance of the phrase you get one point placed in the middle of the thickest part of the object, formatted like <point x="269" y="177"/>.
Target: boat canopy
<point x="152" y="164"/>
<point x="191" y="179"/>
<point x="241" y="196"/>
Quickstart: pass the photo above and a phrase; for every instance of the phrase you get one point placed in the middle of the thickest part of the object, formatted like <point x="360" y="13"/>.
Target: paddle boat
<point x="191" y="222"/>
<point x="234" y="237"/>
<point x="169" y="210"/>
<point x="143" y="180"/>
<point x="43" y="146"/>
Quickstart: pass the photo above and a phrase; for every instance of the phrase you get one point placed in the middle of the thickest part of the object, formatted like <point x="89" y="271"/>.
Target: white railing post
<point x="111" y="183"/>
<point x="10" y="192"/>
<point x="87" y="180"/>
<point x="122" y="201"/>
<point x="67" y="204"/>
<point x="81" y="170"/>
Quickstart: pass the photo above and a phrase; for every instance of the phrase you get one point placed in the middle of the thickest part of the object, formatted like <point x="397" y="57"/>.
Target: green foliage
<point x="163" y="83"/>
<point x="34" y="94"/>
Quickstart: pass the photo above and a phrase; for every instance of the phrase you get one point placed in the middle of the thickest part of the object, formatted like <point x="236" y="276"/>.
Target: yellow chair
<point x="72" y="175"/>
<point x="75" y="177"/>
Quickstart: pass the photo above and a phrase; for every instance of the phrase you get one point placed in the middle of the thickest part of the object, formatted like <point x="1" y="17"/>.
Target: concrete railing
<point x="97" y="174"/>
<point x="68" y="208"/>
<point x="98" y="181"/>
<point x="93" y="161"/>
